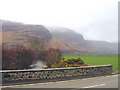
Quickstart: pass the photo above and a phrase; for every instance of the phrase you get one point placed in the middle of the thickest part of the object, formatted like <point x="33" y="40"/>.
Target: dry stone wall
<point x="43" y="74"/>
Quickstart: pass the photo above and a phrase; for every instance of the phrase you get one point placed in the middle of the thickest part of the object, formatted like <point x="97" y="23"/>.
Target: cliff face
<point x="64" y="39"/>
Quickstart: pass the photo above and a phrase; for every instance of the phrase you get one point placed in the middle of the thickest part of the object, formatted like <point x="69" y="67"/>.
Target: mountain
<point x="78" y="44"/>
<point x="17" y="33"/>
<point x="103" y="47"/>
<point x="65" y="39"/>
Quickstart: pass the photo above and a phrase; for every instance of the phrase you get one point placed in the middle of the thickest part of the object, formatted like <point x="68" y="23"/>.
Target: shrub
<point x="69" y="63"/>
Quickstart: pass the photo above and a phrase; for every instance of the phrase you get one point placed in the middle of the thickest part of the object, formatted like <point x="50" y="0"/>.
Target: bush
<point x="69" y="63"/>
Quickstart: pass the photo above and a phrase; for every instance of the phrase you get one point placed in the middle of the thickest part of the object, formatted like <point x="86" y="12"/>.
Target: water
<point x="38" y="65"/>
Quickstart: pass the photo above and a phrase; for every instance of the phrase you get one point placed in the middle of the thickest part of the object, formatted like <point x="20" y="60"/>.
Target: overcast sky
<point x="94" y="19"/>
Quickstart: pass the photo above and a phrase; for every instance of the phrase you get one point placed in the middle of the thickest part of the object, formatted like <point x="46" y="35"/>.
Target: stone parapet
<point x="43" y="74"/>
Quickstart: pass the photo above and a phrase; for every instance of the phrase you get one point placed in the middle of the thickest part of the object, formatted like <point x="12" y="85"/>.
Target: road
<point x="95" y="82"/>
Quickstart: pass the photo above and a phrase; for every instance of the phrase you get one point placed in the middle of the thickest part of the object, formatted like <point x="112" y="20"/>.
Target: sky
<point x="94" y="19"/>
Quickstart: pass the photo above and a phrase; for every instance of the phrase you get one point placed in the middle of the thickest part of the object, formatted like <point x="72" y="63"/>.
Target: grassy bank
<point x="98" y="60"/>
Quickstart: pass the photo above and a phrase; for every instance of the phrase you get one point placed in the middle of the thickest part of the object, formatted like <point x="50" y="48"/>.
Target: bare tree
<point x="53" y="56"/>
<point x="18" y="57"/>
<point x="38" y="45"/>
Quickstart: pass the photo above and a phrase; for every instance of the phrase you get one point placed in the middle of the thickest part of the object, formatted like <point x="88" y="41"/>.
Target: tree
<point x="38" y="45"/>
<point x="53" y="56"/>
<point x="15" y="58"/>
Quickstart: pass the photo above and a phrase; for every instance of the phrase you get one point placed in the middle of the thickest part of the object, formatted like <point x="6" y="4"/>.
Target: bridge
<point x="74" y="77"/>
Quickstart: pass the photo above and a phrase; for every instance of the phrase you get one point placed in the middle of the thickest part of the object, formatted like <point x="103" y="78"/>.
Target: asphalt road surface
<point x="95" y="82"/>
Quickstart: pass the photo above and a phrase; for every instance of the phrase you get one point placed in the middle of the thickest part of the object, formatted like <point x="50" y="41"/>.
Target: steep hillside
<point x="17" y="33"/>
<point x="64" y="39"/>
<point x="69" y="38"/>
<point x="78" y="44"/>
<point x="103" y="47"/>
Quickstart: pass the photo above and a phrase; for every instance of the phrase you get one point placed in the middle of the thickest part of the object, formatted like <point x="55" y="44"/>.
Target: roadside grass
<point x="98" y="60"/>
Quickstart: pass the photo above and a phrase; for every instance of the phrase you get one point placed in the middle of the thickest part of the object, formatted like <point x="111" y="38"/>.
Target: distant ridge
<point x="64" y="39"/>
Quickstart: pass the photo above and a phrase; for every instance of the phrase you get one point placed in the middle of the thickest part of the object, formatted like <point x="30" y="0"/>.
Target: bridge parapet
<point x="47" y="74"/>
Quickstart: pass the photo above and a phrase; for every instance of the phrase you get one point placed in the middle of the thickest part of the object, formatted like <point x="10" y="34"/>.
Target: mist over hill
<point x="82" y="46"/>
<point x="61" y="38"/>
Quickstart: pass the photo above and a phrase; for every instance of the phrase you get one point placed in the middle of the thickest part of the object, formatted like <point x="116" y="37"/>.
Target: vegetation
<point x="21" y="57"/>
<point x="17" y="57"/>
<point x="67" y="63"/>
<point x="99" y="60"/>
<point x="53" y="56"/>
<point x="38" y="45"/>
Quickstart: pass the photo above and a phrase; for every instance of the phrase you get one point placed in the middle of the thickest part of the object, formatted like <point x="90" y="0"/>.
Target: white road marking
<point x="114" y="75"/>
<point x="108" y="76"/>
<point x="25" y="85"/>
<point x="94" y="86"/>
<point x="88" y="79"/>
